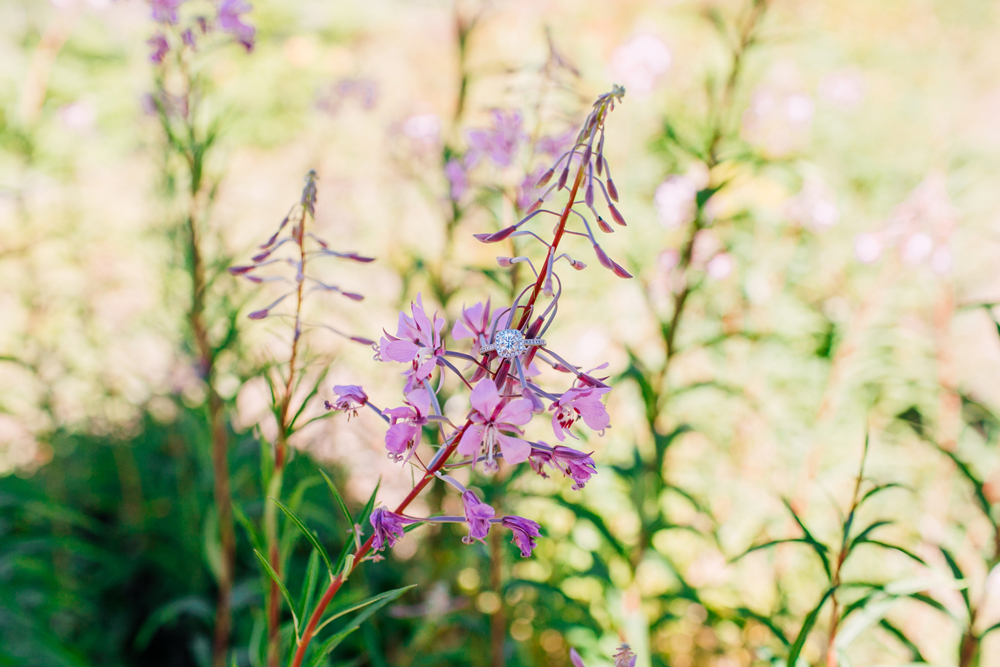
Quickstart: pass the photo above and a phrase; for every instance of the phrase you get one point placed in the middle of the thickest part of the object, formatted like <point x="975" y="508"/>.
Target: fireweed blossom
<point x="350" y="397"/>
<point x="524" y="533"/>
<point x="580" y="402"/>
<point x="417" y="342"/>
<point x="477" y="515"/>
<point x="508" y="362"/>
<point x="570" y="462"/>
<point x="406" y="424"/>
<point x="388" y="527"/>
<point x="490" y="418"/>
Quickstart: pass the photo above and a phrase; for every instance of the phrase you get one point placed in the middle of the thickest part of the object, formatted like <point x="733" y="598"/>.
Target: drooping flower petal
<point x="477" y="515"/>
<point x="524" y="533"/>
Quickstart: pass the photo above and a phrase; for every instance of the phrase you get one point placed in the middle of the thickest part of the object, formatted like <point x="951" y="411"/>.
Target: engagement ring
<point x="510" y="343"/>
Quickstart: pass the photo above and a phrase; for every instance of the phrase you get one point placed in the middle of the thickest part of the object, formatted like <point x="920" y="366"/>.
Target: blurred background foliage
<point x="810" y="192"/>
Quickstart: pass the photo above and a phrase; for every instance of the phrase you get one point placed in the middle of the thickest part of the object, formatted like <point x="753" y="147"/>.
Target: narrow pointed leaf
<point x="807" y="625"/>
<point x="281" y="586"/>
<point x="311" y="536"/>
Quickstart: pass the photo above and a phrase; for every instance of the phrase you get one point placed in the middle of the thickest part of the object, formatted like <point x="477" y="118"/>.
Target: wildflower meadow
<point x="499" y="333"/>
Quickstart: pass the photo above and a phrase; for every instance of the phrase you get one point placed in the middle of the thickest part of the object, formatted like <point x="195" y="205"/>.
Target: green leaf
<point x="956" y="572"/>
<point x="248" y="526"/>
<point x="766" y="622"/>
<point x="309" y="584"/>
<point x="863" y="535"/>
<point x="281" y="586"/>
<point x="914" y="650"/>
<point x="338" y="498"/>
<point x="169" y="613"/>
<point x="807" y="625"/>
<point x="995" y="626"/>
<point x="374" y="604"/>
<point x="977" y="484"/>
<point x="820" y="548"/>
<point x="305" y="402"/>
<point x="311" y="536"/>
<point x="894" y="547"/>
<point x="765" y="545"/>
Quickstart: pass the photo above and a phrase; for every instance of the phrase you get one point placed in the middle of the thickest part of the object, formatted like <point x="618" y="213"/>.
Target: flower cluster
<point x="226" y="18"/>
<point x="503" y="354"/>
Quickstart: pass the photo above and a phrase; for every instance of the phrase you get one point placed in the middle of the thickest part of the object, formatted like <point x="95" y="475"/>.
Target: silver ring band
<point x="490" y="347"/>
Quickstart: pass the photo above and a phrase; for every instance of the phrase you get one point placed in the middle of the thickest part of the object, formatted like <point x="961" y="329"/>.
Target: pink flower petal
<point x="399" y="350"/>
<point x="485" y="397"/>
<point x="517" y="412"/>
<point x="514" y="450"/>
<point x="471" y="440"/>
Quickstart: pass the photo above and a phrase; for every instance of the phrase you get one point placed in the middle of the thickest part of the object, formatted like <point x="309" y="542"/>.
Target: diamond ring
<point x="510" y="343"/>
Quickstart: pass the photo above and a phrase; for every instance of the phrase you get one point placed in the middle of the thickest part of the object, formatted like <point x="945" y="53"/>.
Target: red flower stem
<point x="280" y="458"/>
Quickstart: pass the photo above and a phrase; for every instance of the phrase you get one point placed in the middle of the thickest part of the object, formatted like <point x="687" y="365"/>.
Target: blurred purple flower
<point x="556" y="144"/>
<point x="575" y="658"/>
<point x="350" y="397"/>
<point x="407" y="423"/>
<point x="388" y="528"/>
<point x="231" y="21"/>
<point x="458" y="180"/>
<point x="161" y="47"/>
<point x="576" y="403"/>
<point x="164" y="11"/>
<point x="528" y="193"/>
<point x="477" y="515"/>
<point x="525" y="531"/>
<point x="500" y="143"/>
<point x="489" y="417"/>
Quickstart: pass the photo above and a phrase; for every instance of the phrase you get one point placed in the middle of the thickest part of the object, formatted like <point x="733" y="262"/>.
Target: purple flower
<point x="477" y="515"/>
<point x="458" y="180"/>
<point x="575" y="658"/>
<point x="475" y="322"/>
<point x="165" y="11"/>
<point x="417" y="342"/>
<point x="556" y="144"/>
<point x="500" y="143"/>
<point x="350" y="397"/>
<point x="188" y="38"/>
<point x="527" y="193"/>
<point x="580" y="402"/>
<point x="489" y="417"/>
<point x="525" y="531"/>
<point x="230" y="20"/>
<point x="625" y="657"/>
<point x="407" y="424"/>
<point x="388" y="528"/>
<point x="161" y="47"/>
<point x="566" y="460"/>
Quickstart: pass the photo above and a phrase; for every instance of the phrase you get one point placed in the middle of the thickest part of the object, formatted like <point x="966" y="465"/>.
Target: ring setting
<point x="510" y="343"/>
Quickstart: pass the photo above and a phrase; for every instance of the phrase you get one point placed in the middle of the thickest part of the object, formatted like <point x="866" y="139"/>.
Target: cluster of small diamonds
<point x="510" y="343"/>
